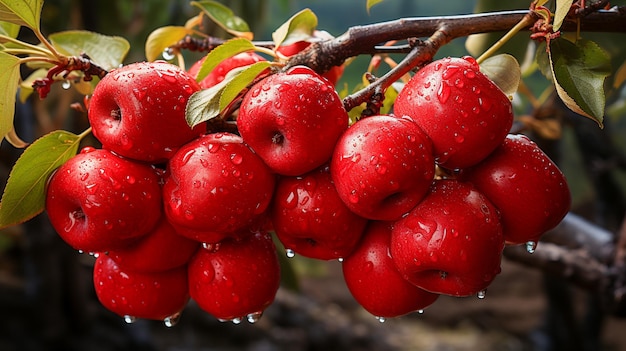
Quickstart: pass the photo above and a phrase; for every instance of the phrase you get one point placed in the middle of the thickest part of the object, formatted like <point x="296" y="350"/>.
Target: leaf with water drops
<point x="22" y="12"/>
<point x="210" y="103"/>
<point x="24" y="194"/>
<point x="225" y="18"/>
<point x="299" y="27"/>
<point x="106" y="51"/>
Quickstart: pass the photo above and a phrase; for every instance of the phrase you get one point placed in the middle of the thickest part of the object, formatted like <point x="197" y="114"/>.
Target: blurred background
<point x="46" y="295"/>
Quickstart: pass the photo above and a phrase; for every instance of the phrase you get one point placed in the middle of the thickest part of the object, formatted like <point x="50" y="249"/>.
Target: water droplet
<point x="172" y="320"/>
<point x="254" y="317"/>
<point x="290" y="253"/>
<point x="459" y="138"/>
<point x="129" y="319"/>
<point x="353" y="197"/>
<point x="236" y="320"/>
<point x="381" y="319"/>
<point x="531" y="246"/>
<point x="236" y="159"/>
<point x="168" y="54"/>
<point x="420" y="311"/>
<point x="340" y="259"/>
<point x="443" y="93"/>
<point x="481" y="294"/>
<point x="66" y="84"/>
<point x="470" y="74"/>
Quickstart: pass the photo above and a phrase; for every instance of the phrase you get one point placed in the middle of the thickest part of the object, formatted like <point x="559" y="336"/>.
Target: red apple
<point x="138" y="111"/>
<point x="530" y="191"/>
<point x="98" y="201"/>
<point x="310" y="219"/>
<point x="292" y="120"/>
<point x="382" y="166"/>
<point x="216" y="185"/>
<point x="463" y="112"/>
<point x="374" y="281"/>
<point x="451" y="242"/>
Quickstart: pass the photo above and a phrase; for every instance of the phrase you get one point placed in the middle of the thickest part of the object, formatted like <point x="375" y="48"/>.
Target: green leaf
<point x="298" y="28"/>
<point x="225" y="18"/>
<point x="579" y="70"/>
<point x="25" y="192"/>
<point x="9" y="29"/>
<point x="9" y="80"/>
<point x="562" y="9"/>
<point x="162" y="38"/>
<point x="210" y="103"/>
<point x="22" y="12"/>
<point x="107" y="52"/>
<point x="222" y="52"/>
<point x="371" y="3"/>
<point x="504" y="71"/>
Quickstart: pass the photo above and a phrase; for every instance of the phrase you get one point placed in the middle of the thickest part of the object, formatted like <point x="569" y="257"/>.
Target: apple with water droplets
<point x="374" y="281"/>
<point x="382" y="166"/>
<point x="236" y="278"/>
<point x="292" y="120"/>
<point x="221" y="70"/>
<point x="450" y="243"/>
<point x="151" y="295"/>
<point x="529" y="190"/>
<point x="463" y="112"/>
<point x="138" y="110"/>
<point x="309" y="217"/>
<point x="215" y="186"/>
<point x="98" y="201"/>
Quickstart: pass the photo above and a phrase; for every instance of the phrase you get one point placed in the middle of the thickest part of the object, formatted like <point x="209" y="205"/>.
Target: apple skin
<point x="450" y="243"/>
<point x="235" y="278"/>
<point x="215" y="186"/>
<point x="464" y="113"/>
<point x="221" y="70"/>
<point x="382" y="166"/>
<point x="138" y="111"/>
<point x="160" y="250"/>
<point x="374" y="281"/>
<point x="155" y="295"/>
<point x="292" y="120"/>
<point x="528" y="189"/>
<point x="309" y="217"/>
<point x="98" y="201"/>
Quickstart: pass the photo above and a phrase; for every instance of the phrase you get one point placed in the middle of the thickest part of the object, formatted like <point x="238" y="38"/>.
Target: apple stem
<point x="527" y="20"/>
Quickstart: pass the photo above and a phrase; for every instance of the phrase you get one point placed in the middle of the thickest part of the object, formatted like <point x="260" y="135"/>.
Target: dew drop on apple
<point x="236" y="159"/>
<point x="481" y="294"/>
<point x="381" y="319"/>
<point x="353" y="197"/>
<point x="254" y="317"/>
<point x="290" y="253"/>
<point x="172" y="320"/>
<point x="130" y="319"/>
<point x="236" y="320"/>
<point x="531" y="246"/>
<point x="420" y="311"/>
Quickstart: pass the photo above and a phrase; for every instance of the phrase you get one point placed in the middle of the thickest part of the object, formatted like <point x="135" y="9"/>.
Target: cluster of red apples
<point x="415" y="204"/>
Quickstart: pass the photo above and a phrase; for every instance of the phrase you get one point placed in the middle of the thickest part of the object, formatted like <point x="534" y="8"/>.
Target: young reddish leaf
<point x="562" y="9"/>
<point x="162" y="38"/>
<point x="222" y="52"/>
<point x="225" y="18"/>
<point x="106" y="51"/>
<point x="299" y="27"/>
<point x="9" y="80"/>
<point x="579" y="70"/>
<point x="210" y="103"/>
<point x="22" y="12"/>
<point x="504" y="71"/>
<point x="24" y="194"/>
